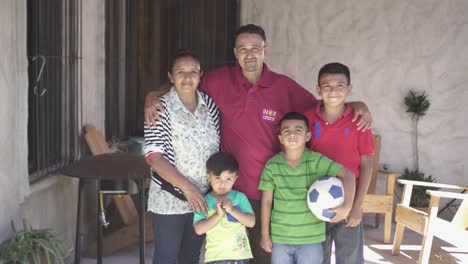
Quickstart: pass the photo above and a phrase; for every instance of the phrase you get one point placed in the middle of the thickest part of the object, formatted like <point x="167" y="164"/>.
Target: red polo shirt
<point x="340" y="141"/>
<point x="250" y="115"/>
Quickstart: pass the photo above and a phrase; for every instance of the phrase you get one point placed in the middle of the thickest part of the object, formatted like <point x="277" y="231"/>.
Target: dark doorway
<point x="153" y="31"/>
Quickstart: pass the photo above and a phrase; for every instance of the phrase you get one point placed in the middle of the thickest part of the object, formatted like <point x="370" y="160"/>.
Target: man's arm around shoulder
<point x="152" y="104"/>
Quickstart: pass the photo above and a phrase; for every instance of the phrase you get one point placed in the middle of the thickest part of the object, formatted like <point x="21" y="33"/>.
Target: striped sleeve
<point x="213" y="109"/>
<point x="158" y="138"/>
<point x="327" y="167"/>
<point x="266" y="180"/>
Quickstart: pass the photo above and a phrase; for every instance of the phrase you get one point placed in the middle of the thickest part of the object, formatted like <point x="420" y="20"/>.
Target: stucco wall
<point x="390" y="47"/>
<point x="93" y="62"/>
<point x="51" y="202"/>
<point x="13" y="112"/>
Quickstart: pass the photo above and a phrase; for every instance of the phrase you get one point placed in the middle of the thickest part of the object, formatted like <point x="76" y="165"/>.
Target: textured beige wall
<point x="93" y="67"/>
<point x="13" y="112"/>
<point x="390" y="47"/>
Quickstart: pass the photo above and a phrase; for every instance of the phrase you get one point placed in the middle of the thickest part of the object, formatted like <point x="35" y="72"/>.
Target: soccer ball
<point x="325" y="193"/>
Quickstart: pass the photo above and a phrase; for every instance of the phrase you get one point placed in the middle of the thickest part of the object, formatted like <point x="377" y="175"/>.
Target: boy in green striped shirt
<point x="289" y="230"/>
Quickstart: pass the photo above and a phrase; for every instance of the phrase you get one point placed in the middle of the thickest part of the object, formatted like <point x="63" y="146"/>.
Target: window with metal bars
<point x="54" y="101"/>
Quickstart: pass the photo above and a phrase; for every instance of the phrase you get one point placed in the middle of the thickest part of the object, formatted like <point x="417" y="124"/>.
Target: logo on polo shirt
<point x="269" y="114"/>
<point x="316" y="132"/>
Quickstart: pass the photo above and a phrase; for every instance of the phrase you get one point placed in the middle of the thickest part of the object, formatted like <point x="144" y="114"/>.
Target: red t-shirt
<point x="340" y="141"/>
<point x="250" y="115"/>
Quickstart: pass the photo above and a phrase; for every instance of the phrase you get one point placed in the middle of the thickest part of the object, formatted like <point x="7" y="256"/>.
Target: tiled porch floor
<point x="375" y="251"/>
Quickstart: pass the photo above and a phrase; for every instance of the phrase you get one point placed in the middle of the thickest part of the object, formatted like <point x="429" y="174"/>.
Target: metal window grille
<point x="54" y="121"/>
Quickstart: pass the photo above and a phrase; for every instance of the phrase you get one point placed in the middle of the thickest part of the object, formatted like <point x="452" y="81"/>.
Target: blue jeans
<point x="242" y="261"/>
<point x="175" y="240"/>
<point x="296" y="254"/>
<point x="349" y="243"/>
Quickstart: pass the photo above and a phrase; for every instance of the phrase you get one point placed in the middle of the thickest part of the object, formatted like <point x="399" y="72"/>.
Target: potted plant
<point x="419" y="197"/>
<point x="38" y="246"/>
<point x="417" y="104"/>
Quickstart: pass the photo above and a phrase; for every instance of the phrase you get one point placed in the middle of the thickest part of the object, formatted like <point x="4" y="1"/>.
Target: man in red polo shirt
<point x="252" y="99"/>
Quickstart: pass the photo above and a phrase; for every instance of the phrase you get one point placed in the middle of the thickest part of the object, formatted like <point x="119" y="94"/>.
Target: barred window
<point x="54" y="92"/>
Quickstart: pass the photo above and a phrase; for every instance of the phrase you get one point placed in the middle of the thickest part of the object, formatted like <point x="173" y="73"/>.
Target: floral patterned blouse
<point x="192" y="139"/>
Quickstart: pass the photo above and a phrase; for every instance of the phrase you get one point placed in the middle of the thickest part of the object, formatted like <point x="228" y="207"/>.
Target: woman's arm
<point x="169" y="173"/>
<point x="205" y="225"/>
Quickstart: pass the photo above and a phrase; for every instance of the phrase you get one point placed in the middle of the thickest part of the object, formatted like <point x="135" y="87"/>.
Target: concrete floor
<point x="375" y="251"/>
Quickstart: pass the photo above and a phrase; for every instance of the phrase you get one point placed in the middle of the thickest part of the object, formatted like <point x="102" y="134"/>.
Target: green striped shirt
<point x="291" y="221"/>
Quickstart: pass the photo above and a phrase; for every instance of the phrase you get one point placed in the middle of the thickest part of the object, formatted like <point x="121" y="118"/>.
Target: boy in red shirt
<point x="335" y="136"/>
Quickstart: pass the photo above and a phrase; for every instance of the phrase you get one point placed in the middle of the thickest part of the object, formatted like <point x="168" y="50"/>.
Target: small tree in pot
<point x="417" y="104"/>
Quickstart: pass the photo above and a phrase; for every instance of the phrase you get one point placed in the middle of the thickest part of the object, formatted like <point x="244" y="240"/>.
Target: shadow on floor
<point x="375" y="251"/>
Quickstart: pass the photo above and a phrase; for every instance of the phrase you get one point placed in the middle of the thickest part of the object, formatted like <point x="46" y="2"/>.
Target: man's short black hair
<point x="334" y="68"/>
<point x="221" y="161"/>
<point x="183" y="53"/>
<point x="251" y="29"/>
<point x="294" y="116"/>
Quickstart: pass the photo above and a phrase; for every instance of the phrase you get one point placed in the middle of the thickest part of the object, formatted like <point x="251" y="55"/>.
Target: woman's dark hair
<point x="183" y="53"/>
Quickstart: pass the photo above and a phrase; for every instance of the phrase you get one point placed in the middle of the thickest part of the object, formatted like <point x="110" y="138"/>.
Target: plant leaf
<point x="417" y="104"/>
<point x="419" y="197"/>
<point x="36" y="256"/>
<point x="30" y="244"/>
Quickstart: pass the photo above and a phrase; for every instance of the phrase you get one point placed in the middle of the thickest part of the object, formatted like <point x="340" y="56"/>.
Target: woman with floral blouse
<point x="177" y="148"/>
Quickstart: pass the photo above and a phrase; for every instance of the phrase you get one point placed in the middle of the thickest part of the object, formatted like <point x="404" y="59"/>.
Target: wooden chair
<point x="381" y="204"/>
<point x="126" y="235"/>
<point x="429" y="224"/>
